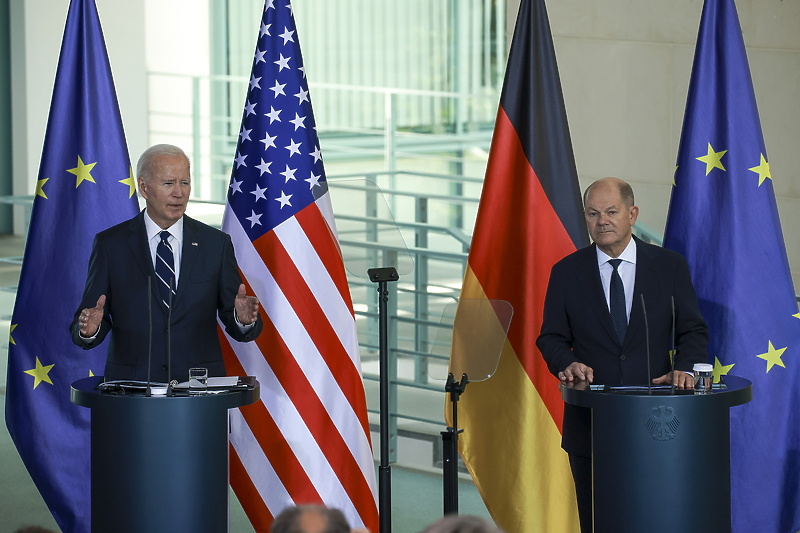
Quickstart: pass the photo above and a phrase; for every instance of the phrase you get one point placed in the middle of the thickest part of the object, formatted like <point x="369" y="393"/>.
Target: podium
<point x="660" y="459"/>
<point x="159" y="463"/>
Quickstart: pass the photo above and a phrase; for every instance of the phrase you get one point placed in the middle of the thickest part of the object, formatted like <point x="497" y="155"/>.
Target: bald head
<point x="623" y="188"/>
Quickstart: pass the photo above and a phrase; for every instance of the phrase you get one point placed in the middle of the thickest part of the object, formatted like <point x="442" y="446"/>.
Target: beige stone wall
<point x="625" y="67"/>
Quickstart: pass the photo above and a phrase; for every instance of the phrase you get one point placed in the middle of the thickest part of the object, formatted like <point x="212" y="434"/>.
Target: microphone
<point x="148" y="391"/>
<point x="672" y="352"/>
<point x="169" y="340"/>
<point x="647" y="347"/>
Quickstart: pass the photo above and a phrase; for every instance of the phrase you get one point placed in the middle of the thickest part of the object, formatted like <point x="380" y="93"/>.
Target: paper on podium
<point x="217" y="382"/>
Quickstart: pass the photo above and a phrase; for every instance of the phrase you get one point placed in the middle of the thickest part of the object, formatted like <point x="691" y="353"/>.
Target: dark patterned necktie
<point x="165" y="268"/>
<point x="617" y="301"/>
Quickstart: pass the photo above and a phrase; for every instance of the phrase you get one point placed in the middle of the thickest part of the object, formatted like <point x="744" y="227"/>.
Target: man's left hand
<point x="681" y="380"/>
<point x="246" y="307"/>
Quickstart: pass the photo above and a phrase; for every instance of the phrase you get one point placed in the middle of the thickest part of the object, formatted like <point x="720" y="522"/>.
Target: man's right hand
<point x="577" y="371"/>
<point x="90" y="318"/>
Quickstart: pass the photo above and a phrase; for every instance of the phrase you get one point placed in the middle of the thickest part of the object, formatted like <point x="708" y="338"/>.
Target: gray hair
<point x="625" y="191"/>
<point x="288" y="521"/>
<point x="144" y="168"/>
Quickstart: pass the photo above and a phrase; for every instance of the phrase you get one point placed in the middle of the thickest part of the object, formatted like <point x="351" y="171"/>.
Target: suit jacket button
<point x="622" y="357"/>
<point x="164" y="367"/>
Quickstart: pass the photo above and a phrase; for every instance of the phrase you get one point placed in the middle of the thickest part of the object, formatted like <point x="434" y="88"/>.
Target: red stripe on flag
<point x="316" y="323"/>
<point x="306" y="400"/>
<point x="315" y="414"/>
<point x="272" y="442"/>
<point x="249" y="498"/>
<point x="324" y="243"/>
<point x="533" y="240"/>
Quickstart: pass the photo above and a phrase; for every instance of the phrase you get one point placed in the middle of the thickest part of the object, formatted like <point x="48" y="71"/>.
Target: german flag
<point x="529" y="217"/>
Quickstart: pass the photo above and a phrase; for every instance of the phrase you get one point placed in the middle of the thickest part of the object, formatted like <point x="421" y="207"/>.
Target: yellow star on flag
<point x="796" y="315"/>
<point x="10" y="338"/>
<point x="130" y="181"/>
<point x="772" y="357"/>
<point x="40" y="188"/>
<point x="762" y="170"/>
<point x="40" y="373"/>
<point x="712" y="159"/>
<point x="83" y="172"/>
<point x="720" y="369"/>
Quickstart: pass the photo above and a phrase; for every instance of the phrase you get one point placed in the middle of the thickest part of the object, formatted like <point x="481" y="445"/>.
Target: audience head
<point x="310" y="519"/>
<point x="462" y="524"/>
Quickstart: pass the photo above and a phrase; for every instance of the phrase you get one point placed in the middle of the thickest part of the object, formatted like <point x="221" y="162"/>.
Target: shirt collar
<point x="628" y="254"/>
<point x="153" y="229"/>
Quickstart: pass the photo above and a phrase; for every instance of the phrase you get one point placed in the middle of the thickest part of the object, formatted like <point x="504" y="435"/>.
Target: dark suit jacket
<point x="120" y="266"/>
<point x="577" y="327"/>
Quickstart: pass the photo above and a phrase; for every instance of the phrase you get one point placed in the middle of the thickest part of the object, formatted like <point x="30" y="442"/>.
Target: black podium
<point x="660" y="460"/>
<point x="159" y="463"/>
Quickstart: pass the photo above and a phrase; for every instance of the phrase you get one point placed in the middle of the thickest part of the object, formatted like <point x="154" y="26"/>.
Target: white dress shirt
<point x="626" y="269"/>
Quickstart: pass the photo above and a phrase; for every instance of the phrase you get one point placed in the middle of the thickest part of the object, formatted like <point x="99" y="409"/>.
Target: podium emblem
<point x="662" y="424"/>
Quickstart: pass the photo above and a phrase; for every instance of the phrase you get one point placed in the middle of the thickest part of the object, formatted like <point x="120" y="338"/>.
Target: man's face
<point x="166" y="192"/>
<point x="608" y="219"/>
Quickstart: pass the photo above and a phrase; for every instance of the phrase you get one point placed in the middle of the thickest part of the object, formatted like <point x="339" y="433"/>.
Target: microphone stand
<point x="450" y="445"/>
<point x="148" y="392"/>
<point x="672" y="351"/>
<point x="170" y="392"/>
<point x="381" y="276"/>
<point x="647" y="348"/>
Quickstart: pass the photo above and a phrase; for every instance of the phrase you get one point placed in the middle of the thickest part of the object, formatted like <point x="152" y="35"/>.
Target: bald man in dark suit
<point x="123" y="297"/>
<point x="579" y="338"/>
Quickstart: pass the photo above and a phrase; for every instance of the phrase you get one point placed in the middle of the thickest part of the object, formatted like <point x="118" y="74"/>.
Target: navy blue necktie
<point x="165" y="268"/>
<point x="619" y="315"/>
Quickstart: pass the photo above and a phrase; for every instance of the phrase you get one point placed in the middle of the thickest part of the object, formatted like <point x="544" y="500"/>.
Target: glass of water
<point x="198" y="379"/>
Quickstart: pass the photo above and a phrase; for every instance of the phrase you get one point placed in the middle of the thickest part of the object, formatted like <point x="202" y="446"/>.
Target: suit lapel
<point x="189" y="253"/>
<point x="592" y="288"/>
<point x="140" y="249"/>
<point x="645" y="284"/>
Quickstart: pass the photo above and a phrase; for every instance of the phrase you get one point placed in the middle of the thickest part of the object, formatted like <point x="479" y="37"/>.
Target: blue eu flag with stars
<point x="723" y="217"/>
<point x="85" y="184"/>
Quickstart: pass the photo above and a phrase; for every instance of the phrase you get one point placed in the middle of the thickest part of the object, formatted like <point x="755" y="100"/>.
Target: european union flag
<point x="724" y="219"/>
<point x="85" y="185"/>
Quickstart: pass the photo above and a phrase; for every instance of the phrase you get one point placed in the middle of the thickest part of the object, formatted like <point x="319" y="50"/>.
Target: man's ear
<point x="142" y="188"/>
<point x="634" y="214"/>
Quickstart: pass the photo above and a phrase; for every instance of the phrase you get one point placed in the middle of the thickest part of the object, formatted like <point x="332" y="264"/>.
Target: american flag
<point x="307" y="440"/>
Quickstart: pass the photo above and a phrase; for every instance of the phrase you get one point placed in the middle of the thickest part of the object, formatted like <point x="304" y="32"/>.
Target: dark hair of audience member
<point x="461" y="524"/>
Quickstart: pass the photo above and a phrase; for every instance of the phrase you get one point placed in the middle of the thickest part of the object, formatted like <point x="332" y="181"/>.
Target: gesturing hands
<point x="91" y="317"/>
<point x="246" y="307"/>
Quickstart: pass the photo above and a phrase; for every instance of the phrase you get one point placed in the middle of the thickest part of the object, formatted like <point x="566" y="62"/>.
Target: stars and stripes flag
<point x="723" y="218"/>
<point x="307" y="440"/>
<point x="530" y="217"/>
<point x="85" y="185"/>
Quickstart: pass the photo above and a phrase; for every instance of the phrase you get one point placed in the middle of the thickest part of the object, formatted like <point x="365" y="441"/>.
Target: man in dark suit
<point x="593" y="327"/>
<point x="163" y="267"/>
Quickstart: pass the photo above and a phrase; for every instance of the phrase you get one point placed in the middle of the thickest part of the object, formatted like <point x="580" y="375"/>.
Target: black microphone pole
<point x="169" y="340"/>
<point x="647" y="347"/>
<point x="381" y="276"/>
<point x="672" y="352"/>
<point x="148" y="391"/>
